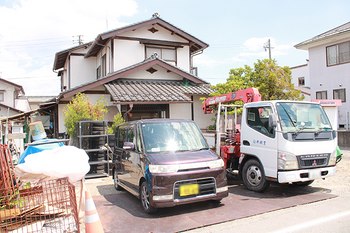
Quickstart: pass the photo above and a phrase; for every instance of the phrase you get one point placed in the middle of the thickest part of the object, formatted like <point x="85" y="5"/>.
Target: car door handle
<point x="246" y="143"/>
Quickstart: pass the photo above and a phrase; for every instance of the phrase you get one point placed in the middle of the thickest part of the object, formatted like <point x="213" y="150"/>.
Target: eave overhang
<point x="129" y="70"/>
<point x="102" y="39"/>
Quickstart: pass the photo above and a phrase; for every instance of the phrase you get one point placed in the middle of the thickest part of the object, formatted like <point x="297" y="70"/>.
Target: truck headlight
<point x="287" y="161"/>
<point x="332" y="158"/>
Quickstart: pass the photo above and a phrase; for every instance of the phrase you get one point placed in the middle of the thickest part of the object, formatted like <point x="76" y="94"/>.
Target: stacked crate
<point x="93" y="137"/>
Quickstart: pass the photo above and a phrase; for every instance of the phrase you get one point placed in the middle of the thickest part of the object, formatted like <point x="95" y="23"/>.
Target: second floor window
<point x="339" y="94"/>
<point x="103" y="66"/>
<point x="98" y="72"/>
<point x="338" y="54"/>
<point x="167" y="54"/>
<point x="1" y="96"/>
<point x="301" y="81"/>
<point x="321" y="95"/>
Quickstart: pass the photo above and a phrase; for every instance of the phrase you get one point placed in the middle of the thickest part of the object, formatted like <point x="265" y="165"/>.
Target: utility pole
<point x="268" y="46"/>
<point x="80" y="40"/>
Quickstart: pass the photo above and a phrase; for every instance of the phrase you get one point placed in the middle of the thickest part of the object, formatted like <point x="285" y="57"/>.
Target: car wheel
<point x="254" y="176"/>
<point x="145" y="196"/>
<point x="116" y="181"/>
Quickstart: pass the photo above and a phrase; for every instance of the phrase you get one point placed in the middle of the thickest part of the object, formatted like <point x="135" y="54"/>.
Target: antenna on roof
<point x="155" y="15"/>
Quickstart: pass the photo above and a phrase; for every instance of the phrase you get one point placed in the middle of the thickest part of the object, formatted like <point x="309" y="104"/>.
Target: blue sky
<point x="32" y="31"/>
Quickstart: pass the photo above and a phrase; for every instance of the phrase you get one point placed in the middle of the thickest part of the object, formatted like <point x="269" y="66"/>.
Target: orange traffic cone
<point x="92" y="220"/>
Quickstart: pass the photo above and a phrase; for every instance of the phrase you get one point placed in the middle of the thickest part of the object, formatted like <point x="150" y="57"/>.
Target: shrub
<point x="80" y="108"/>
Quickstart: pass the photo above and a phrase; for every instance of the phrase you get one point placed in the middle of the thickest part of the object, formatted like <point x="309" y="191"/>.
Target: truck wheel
<point x="116" y="181"/>
<point x="254" y="176"/>
<point x="145" y="196"/>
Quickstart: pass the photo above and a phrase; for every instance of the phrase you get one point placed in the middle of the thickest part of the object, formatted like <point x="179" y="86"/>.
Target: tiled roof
<point x="345" y="28"/>
<point x="154" y="90"/>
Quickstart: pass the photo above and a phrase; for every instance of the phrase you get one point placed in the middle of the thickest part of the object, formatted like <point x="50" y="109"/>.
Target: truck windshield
<point x="300" y="117"/>
<point x="172" y="136"/>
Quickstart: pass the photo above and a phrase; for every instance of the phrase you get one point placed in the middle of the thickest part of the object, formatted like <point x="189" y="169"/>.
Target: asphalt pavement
<point x="331" y="215"/>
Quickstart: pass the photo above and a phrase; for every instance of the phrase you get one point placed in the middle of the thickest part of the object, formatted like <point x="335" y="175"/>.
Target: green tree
<point x="273" y="82"/>
<point x="80" y="108"/>
<point x="117" y="120"/>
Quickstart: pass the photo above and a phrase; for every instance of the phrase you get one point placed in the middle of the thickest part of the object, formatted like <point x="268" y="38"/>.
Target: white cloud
<point x="257" y="48"/>
<point x="32" y="31"/>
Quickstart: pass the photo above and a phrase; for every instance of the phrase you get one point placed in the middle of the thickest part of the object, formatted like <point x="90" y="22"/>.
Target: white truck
<point x="277" y="141"/>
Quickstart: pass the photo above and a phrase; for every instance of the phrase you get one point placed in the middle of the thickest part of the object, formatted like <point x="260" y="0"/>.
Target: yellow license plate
<point x="189" y="189"/>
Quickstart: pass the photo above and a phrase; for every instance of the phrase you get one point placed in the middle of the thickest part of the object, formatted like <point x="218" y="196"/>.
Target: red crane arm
<point x="247" y="95"/>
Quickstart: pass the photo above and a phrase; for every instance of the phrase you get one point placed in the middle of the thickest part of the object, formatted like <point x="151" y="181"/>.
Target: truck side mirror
<point x="272" y="120"/>
<point x="129" y="146"/>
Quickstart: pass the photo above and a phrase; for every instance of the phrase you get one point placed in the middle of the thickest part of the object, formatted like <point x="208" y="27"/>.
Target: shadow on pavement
<point x="121" y="211"/>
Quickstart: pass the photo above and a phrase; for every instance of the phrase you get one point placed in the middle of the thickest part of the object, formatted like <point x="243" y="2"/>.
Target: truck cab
<point x="285" y="142"/>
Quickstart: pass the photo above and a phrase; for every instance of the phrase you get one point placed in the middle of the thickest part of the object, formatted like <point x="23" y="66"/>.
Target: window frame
<point x="338" y="54"/>
<point x="254" y="120"/>
<point x="161" y="55"/>
<point x="321" y="95"/>
<point x="103" y="65"/>
<point x="2" y="93"/>
<point x="338" y="90"/>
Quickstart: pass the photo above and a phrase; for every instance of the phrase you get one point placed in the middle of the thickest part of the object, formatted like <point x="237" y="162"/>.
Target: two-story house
<point x="10" y="103"/>
<point x="301" y="80"/>
<point x="145" y="70"/>
<point x="329" y="67"/>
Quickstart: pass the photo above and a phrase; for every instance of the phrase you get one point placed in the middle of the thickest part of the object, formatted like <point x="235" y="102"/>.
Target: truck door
<point x="258" y="139"/>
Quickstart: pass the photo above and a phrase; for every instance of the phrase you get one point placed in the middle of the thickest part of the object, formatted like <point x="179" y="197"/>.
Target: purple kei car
<point x="166" y="163"/>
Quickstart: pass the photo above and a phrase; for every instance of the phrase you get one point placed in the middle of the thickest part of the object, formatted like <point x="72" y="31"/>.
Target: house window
<point x="321" y="95"/>
<point x="98" y="72"/>
<point x="167" y="54"/>
<point x="1" y="96"/>
<point x="103" y="65"/>
<point x="339" y="94"/>
<point x="338" y="54"/>
<point x="301" y="81"/>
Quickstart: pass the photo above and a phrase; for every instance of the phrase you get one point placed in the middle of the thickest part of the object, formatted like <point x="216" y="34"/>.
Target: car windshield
<point x="172" y="136"/>
<point x="300" y="117"/>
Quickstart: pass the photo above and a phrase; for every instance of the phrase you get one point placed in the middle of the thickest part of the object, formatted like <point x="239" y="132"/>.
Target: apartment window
<point x="301" y="81"/>
<point x="167" y="54"/>
<point x="321" y="95"/>
<point x="338" y="54"/>
<point x="339" y="94"/>
<point x="103" y="66"/>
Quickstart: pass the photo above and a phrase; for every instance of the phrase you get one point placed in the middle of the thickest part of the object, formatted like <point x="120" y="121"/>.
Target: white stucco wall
<point x="126" y="53"/>
<point x="180" y="111"/>
<point x="8" y="91"/>
<point x="83" y="70"/>
<point x="201" y="119"/>
<point x="325" y="78"/>
<point x="298" y="72"/>
<point x="161" y="74"/>
<point x="129" y="52"/>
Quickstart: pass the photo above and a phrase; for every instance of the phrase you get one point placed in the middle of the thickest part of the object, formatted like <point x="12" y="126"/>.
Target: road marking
<point x="313" y="223"/>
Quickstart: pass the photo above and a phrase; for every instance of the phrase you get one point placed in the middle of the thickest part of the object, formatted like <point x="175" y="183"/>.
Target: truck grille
<point x="313" y="161"/>
<point x="206" y="186"/>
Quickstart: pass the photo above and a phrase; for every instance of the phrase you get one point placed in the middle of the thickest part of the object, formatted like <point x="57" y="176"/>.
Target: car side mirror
<point x="272" y="120"/>
<point x="129" y="146"/>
